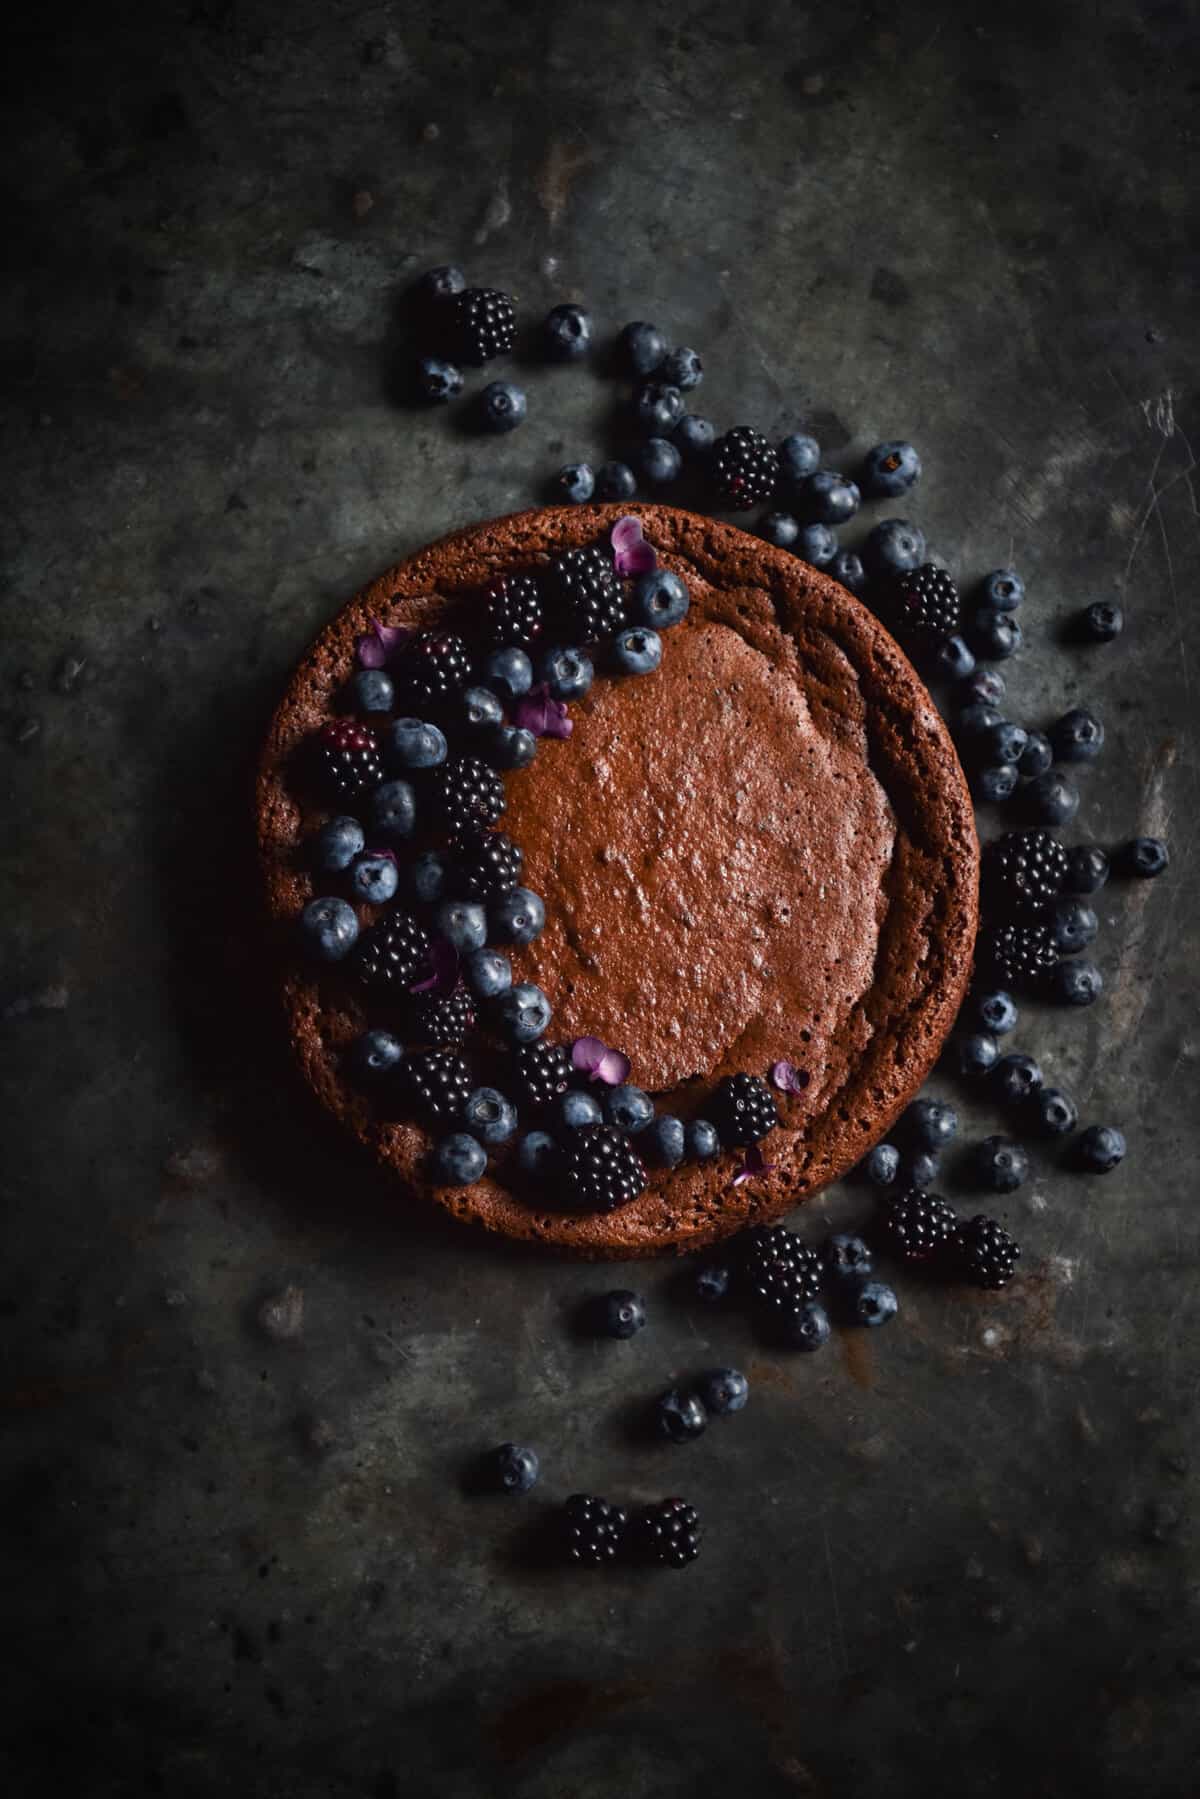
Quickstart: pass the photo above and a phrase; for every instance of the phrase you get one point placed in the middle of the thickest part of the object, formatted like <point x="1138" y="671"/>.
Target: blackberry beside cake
<point x="755" y="850"/>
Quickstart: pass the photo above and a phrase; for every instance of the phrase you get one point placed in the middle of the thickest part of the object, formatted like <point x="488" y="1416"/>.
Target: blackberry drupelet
<point x="668" y="1533"/>
<point x="601" y="1170"/>
<point x="482" y="324"/>
<point x="1022" y="955"/>
<point x="584" y="584"/>
<point x="918" y="1225"/>
<point x="467" y="794"/>
<point x="389" y="957"/>
<point x="484" y="864"/>
<point x="744" y="468"/>
<point x="925" y="604"/>
<point x="437" y="1082"/>
<point x="347" y="759"/>
<point x="1022" y="872"/>
<point x="743" y="1110"/>
<point x="780" y="1273"/>
<point x="434" y="665"/>
<point x="592" y="1531"/>
<point x="514" y="611"/>
<point x="985" y="1252"/>
<point x="443" y="1021"/>
<point x="543" y="1071"/>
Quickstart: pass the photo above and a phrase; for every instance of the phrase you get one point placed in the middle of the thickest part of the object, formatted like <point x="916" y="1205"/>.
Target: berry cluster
<point x="594" y="1534"/>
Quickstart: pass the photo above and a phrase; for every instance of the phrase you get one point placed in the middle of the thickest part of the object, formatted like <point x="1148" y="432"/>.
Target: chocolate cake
<point x="765" y="851"/>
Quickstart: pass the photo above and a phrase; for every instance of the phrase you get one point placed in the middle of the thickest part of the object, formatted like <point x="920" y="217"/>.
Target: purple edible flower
<point x="631" y="553"/>
<point x="788" y="1078"/>
<point x="754" y="1165"/>
<point x="443" y="964"/>
<point x="381" y="643"/>
<point x="535" y="711"/>
<point x="603" y="1064"/>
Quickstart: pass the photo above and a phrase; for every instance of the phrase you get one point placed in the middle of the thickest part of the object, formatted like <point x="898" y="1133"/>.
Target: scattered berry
<point x="641" y="347"/>
<point x="700" y="1140"/>
<point x="1002" y="742"/>
<point x="995" y="784"/>
<point x="1074" y="926"/>
<point x="723" y="1390"/>
<point x="487" y="973"/>
<point x="1002" y="590"/>
<point x="515" y="614"/>
<point x="680" y="1416"/>
<point x="574" y="1110"/>
<point x="622" y="1313"/>
<point x="799" y="457"/>
<point x="1036" y="757"/>
<point x="372" y="691"/>
<point x="996" y="1012"/>
<point x="658" y="407"/>
<point x="412" y="743"/>
<point x="489" y="1116"/>
<point x="917" y="1225"/>
<point x="846" y="1258"/>
<point x="779" y="528"/>
<point x="920" y="1168"/>
<point x="458" y="1160"/>
<point x="1021" y="954"/>
<point x="591" y="1531"/>
<point x="829" y="498"/>
<point x="347" y="759"/>
<point x="660" y="599"/>
<point x="695" y="436"/>
<point x="925" y="603"/>
<point x="1100" y="1148"/>
<point x="994" y="636"/>
<point x="375" y="1054"/>
<point x="393" y="812"/>
<point x="390" y="956"/>
<point x="743" y="1109"/>
<point x="523" y="1013"/>
<point x="329" y="928"/>
<point x="985" y="1252"/>
<point x="1022" y="872"/>
<point x="985" y="685"/>
<point x="433" y="666"/>
<point x="426" y="876"/>
<point x="668" y="1533"/>
<point x="484" y="864"/>
<point x="543" y="1071"/>
<point x="576" y="482"/>
<point x="374" y="879"/>
<point x="1077" y="982"/>
<point x="893" y="547"/>
<point x="659" y="461"/>
<point x="1087" y="869"/>
<point x="467" y="793"/>
<point x="1016" y="1078"/>
<point x="744" y="468"/>
<point x="1078" y="736"/>
<point x="977" y="1053"/>
<point x="476" y="711"/>
<point x="780" y="1273"/>
<point x="513" y="1469"/>
<point x="882" y="1165"/>
<point x="437" y="285"/>
<point x="817" y="545"/>
<point x="975" y="719"/>
<point x="683" y="369"/>
<point x="508" y="672"/>
<point x="1102" y="621"/>
<point x="1000" y="1164"/>
<point x="806" y="1326"/>
<point x="664" y="1141"/>
<point x="1054" y="1113"/>
<point x="537" y="1155"/>
<point x="336" y="844"/>
<point x="444" y="1021"/>
<point x="601" y="1170"/>
<point x="930" y="1123"/>
<point x="463" y="923"/>
<point x="438" y="381"/>
<point x="1145" y="857"/>
<point x="713" y="1283"/>
<point x="615" y="481"/>
<point x="483" y="323"/>
<point x="518" y="916"/>
<point x="889" y="470"/>
<point x="628" y="1108"/>
<point x="872" y="1304"/>
<point x="847" y="568"/>
<point x="952" y="658"/>
<point x="637" y="650"/>
<point x="567" y="333"/>
<point x="585" y="586"/>
<point x="437" y="1082"/>
<point x="510" y="746"/>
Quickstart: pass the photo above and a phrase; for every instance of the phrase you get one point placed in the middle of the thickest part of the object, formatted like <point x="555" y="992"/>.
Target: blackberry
<point x="592" y="1531"/>
<point x="780" y="1273"/>
<point x="985" y="1252"/>
<point x="514" y="611"/>
<point x="1021" y="954"/>
<point x="347" y="759"/>
<point x="668" y="1533"/>
<point x="744" y="468"/>
<point x="601" y="1170"/>
<point x="444" y="1021"/>
<point x="742" y="1109"/>
<point x="437" y="1082"/>
<point x="482" y="324"/>
<point x="434" y="665"/>
<point x="389" y="957"/>
<point x="467" y="794"/>
<point x="1023" y="871"/>
<point x="544" y="1070"/>
<point x="484" y="864"/>
<point x="925" y="604"/>
<point x="589" y="595"/>
<point x="918" y="1225"/>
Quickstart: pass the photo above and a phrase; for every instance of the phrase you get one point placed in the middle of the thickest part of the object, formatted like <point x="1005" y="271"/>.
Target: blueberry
<point x="996" y="784"/>
<point x="1077" y="982"/>
<point x="1002" y="590"/>
<point x="518" y="916"/>
<point x="817" y="545"/>
<point x="524" y="1012"/>
<point x="463" y="923"/>
<point x="1003" y="742"/>
<point x="476" y="710"/>
<point x="873" y="1304"/>
<point x="713" y="1282"/>
<point x="411" y="743"/>
<point x="438" y="381"/>
<point x="637" y="650"/>
<point x="694" y="436"/>
<point x="458" y="1160"/>
<point x="830" y="498"/>
<point x="567" y="333"/>
<point x="1000" y="1164"/>
<point x="510" y="746"/>
<point x="807" y="1327"/>
<point x="1052" y="799"/>
<point x="799" y="457"/>
<point x="502" y="406"/>
<point x="779" y="528"/>
<point x="996" y="1012"/>
<point x="374" y="879"/>
<point x="512" y="1469"/>
<point x="486" y="972"/>
<point x="489" y="1116"/>
<point x="509" y="673"/>
<point x="1102" y="621"/>
<point x="393" y="811"/>
<point x="622" y="1313"/>
<point x="931" y="1123"/>
<point x="1016" y="1078"/>
<point x="893" y="547"/>
<point x="615" y="481"/>
<point x="1036" y="757"/>
<point x="723" y="1390"/>
<point x="680" y="1416"/>
<point x="847" y="568"/>
<point x="920" y="1168"/>
<point x="882" y="1165"/>
<point x="1074" y="926"/>
<point x="427" y="877"/>
<point x="336" y="844"/>
<point x="372" y="691"/>
<point x="628" y="1108"/>
<point x="641" y="347"/>
<point x="573" y="1110"/>
<point x="975" y="719"/>
<point x="952" y="659"/>
<point x="660" y="598"/>
<point x="374" y="1054"/>
<point x="439" y="284"/>
<point x="889" y="470"/>
<point x="977" y="1053"/>
<point x="683" y="369"/>
<point x="330" y="928"/>
<point x="986" y="684"/>
<point x="658" y="407"/>
<point x="994" y="635"/>
<point x="846" y="1258"/>
<point x="659" y="461"/>
<point x="537" y="1154"/>
<point x="576" y="482"/>
<point x="567" y="673"/>
<point x="1145" y="857"/>
<point x="1087" y="868"/>
<point x="700" y="1140"/>
<point x="1100" y="1148"/>
<point x="1078" y="736"/>
<point x="664" y="1141"/>
<point x="1054" y="1112"/>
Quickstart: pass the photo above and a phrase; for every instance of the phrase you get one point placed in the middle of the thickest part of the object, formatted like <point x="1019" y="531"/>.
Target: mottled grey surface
<point x="961" y="1556"/>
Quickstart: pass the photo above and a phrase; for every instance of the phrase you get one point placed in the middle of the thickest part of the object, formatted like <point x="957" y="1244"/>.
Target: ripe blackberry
<point x="467" y="794"/>
<point x="918" y="1225"/>
<point x="347" y="759"/>
<point x="438" y="1083"/>
<point x="482" y="324"/>
<point x="592" y="1531"/>
<point x="780" y="1273"/>
<point x="484" y="864"/>
<point x="925" y="604"/>
<point x="389" y="957"/>
<point x="668" y="1533"/>
<point x="742" y="1109"/>
<point x="985" y="1252"/>
<point x="744" y="468"/>
<point x="1022" y="871"/>
<point x="1021" y="955"/>
<point x="444" y="1021"/>
<point x="434" y="665"/>
<point x="601" y="1170"/>
<point x="543" y="1071"/>
<point x="514" y="611"/>
<point x="585" y="586"/>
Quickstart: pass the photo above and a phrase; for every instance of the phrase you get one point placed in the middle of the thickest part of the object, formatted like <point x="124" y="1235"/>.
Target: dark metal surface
<point x="959" y="1555"/>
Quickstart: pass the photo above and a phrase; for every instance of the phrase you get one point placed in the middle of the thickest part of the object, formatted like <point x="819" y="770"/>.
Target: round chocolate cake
<point x="761" y="853"/>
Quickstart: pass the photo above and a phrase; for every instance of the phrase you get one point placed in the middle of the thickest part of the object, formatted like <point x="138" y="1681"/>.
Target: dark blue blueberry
<point x="336" y="844"/>
<point x="438" y="381"/>
<point x="427" y="877"/>
<point x="510" y="746"/>
<point x="524" y="1013"/>
<point x="567" y="333"/>
<point x="713" y="1282"/>
<point x="847" y="568"/>
<point x="920" y="1168"/>
<point x="1102" y="621"/>
<point x="807" y="1327"/>
<point x="622" y="1313"/>
<point x="509" y="673"/>
<point x="374" y="879"/>
<point x="1000" y="1164"/>
<point x="517" y="917"/>
<point x="889" y="470"/>
<point x="986" y="684"/>
<point x="996" y="1012"/>
<point x="799" y="457"/>
<point x="567" y="673"/>
<point x="680" y="1416"/>
<point x="683" y="369"/>
<point x="1002" y="590"/>
<point x="1003" y="742"/>
<point x="393" y="811"/>
<point x="502" y="406"/>
<point x="372" y="691"/>
<point x="489" y="1116"/>
<point x="330" y="928"/>
<point x="659" y="461"/>
<point x="487" y="973"/>
<point x="513" y="1469"/>
<point x="1145" y="857"/>
<point x="893" y="547"/>
<point x="873" y="1303"/>
<point x="1077" y="982"/>
<point x="846" y="1258"/>
<point x="695" y="436"/>
<point x="700" y="1140"/>
<point x="458" y="1160"/>
<point x="1054" y="1112"/>
<point x="779" y="528"/>
<point x="574" y="1110"/>
<point x="1100" y="1148"/>
<point x="817" y="545"/>
<point x="411" y="743"/>
<point x="723" y="1390"/>
<point x="375" y="1054"/>
<point x="628" y="1108"/>
<point x="930" y="1122"/>
<point x="477" y="710"/>
<point x="994" y="635"/>
<point x="1087" y="868"/>
<point x="1036" y="757"/>
<point x="441" y="283"/>
<point x="537" y="1154"/>
<point x="637" y="650"/>
<point x="1078" y="736"/>
<point x="1016" y="1078"/>
<point x="995" y="785"/>
<point x="882" y="1165"/>
<point x="658" y="408"/>
<point x="641" y="347"/>
<point x="615" y="481"/>
<point x="1073" y="927"/>
<point x="660" y="598"/>
<point x="976" y="718"/>
<point x="463" y="923"/>
<point x="664" y="1141"/>
<point x="952" y="659"/>
<point x="576" y="482"/>
<point x="977" y="1052"/>
<point x="829" y="498"/>
<point x="1051" y="799"/>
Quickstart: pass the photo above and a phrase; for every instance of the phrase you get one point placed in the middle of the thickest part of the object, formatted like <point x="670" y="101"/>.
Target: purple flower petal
<point x="631" y="553"/>
<point x="443" y="965"/>
<point x="613" y="1068"/>
<point x="371" y="653"/>
<point x="626" y="531"/>
<point x="754" y="1165"/>
<point x="788" y="1078"/>
<point x="537" y="712"/>
<point x="383" y="856"/>
<point x="376" y="649"/>
<point x="587" y="1053"/>
<point x="558" y="722"/>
